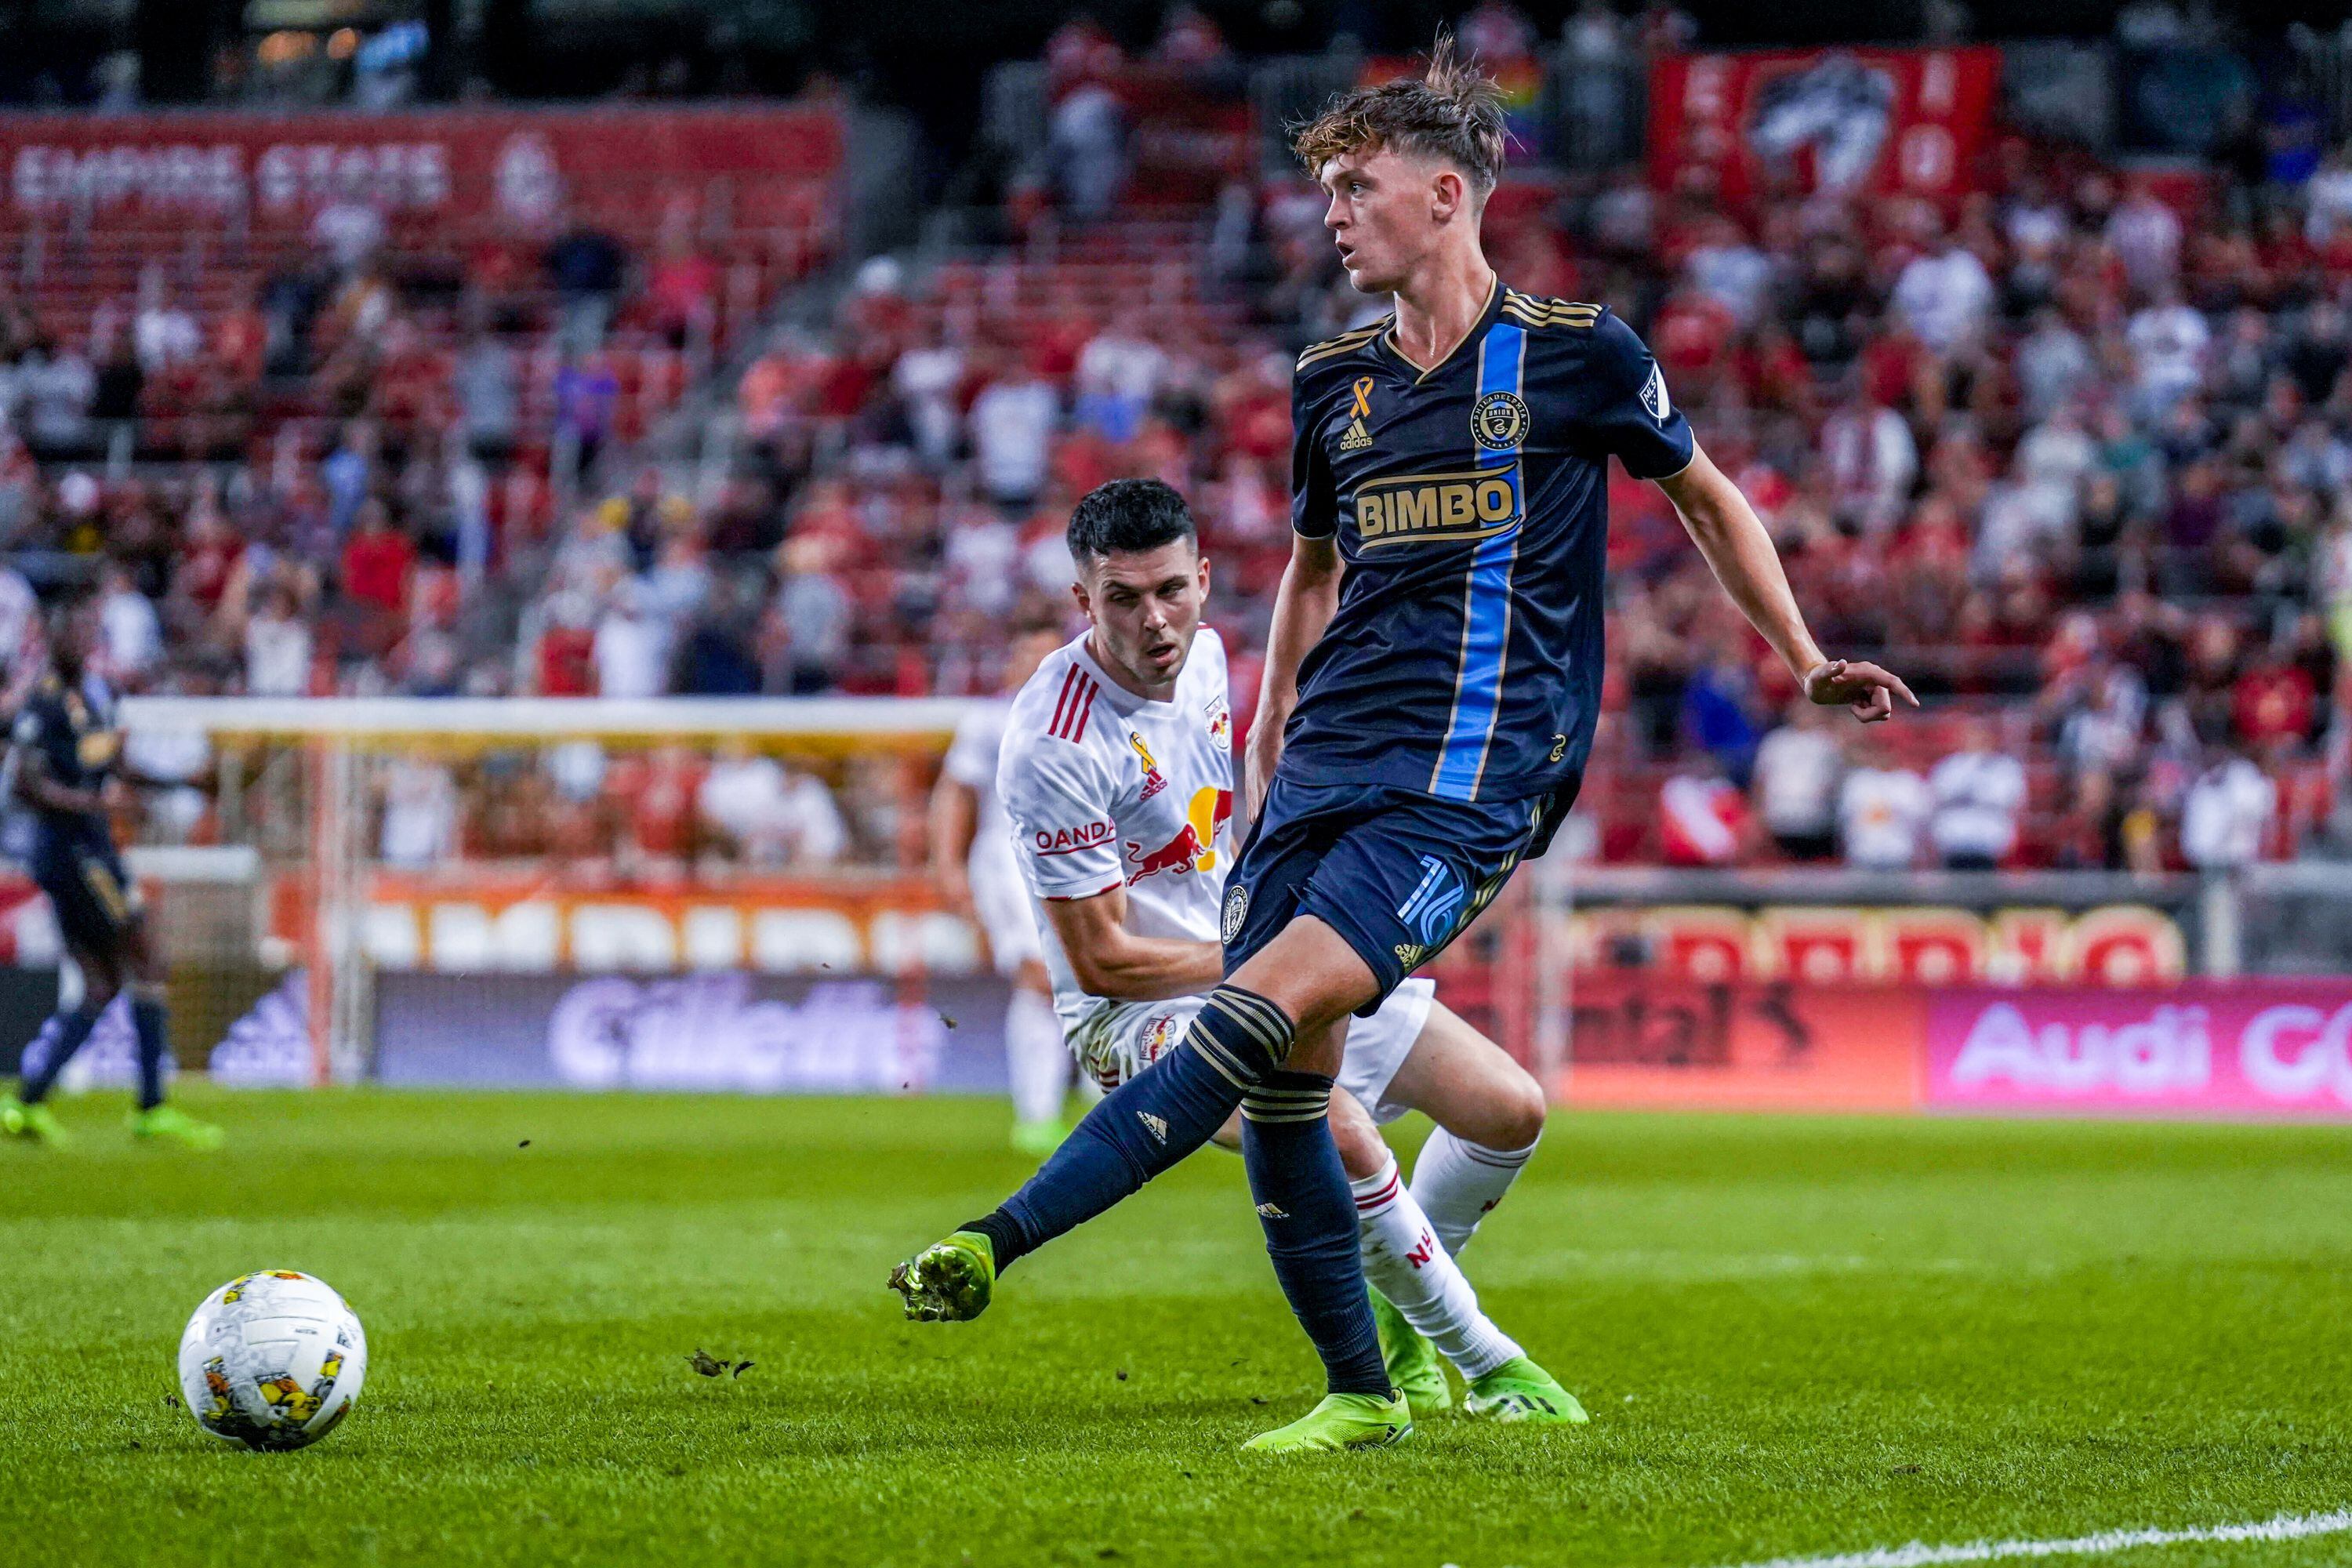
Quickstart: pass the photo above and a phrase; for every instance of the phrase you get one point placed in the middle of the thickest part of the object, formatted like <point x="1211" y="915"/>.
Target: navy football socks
<point x="147" y="1020"/>
<point x="60" y="1039"/>
<point x="1147" y="1124"/>
<point x="1309" y="1215"/>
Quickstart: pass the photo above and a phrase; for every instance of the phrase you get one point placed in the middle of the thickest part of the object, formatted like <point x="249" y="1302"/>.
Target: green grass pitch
<point x="1796" y="1336"/>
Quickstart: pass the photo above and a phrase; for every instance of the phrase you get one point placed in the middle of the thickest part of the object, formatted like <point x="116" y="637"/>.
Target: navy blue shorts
<point x="93" y="895"/>
<point x="1397" y="873"/>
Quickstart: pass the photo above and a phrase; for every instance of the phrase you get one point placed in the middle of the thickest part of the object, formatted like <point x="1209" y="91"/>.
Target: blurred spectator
<point x="1979" y="791"/>
<point x="1702" y="819"/>
<point x="1943" y="295"/>
<point x="377" y="561"/>
<point x="1088" y="141"/>
<point x="1796" y="785"/>
<point x="1012" y="428"/>
<point x="2226" y="813"/>
<point x="278" y="646"/>
<point x="1882" y="812"/>
<point x="632" y="647"/>
<point x="770" y="816"/>
<point x="584" y="266"/>
<point x="130" y="634"/>
<point x="809" y="621"/>
<point x="487" y="383"/>
<point x="419" y="826"/>
<point x="54" y="388"/>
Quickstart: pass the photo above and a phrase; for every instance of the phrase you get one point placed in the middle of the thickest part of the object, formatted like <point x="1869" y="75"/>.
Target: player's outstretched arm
<point x="1303" y="609"/>
<point x="1109" y="960"/>
<point x="1732" y="538"/>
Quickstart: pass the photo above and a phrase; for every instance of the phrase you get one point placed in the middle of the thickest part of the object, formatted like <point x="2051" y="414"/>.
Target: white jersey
<point x="1105" y="788"/>
<point x="998" y="897"/>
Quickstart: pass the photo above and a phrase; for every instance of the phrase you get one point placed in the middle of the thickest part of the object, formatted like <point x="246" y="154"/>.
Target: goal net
<point x="673" y="893"/>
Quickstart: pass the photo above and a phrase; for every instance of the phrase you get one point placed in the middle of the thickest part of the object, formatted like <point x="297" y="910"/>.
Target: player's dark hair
<point x="1129" y="515"/>
<point x="1451" y="111"/>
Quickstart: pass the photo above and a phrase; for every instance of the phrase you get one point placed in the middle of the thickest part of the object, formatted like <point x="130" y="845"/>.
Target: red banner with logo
<point x="1647" y="1040"/>
<point x="1864" y="121"/>
<point x="617" y="163"/>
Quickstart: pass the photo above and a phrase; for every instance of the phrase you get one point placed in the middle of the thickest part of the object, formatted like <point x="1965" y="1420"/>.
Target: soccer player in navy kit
<point x="66" y="747"/>
<point x="1431" y="681"/>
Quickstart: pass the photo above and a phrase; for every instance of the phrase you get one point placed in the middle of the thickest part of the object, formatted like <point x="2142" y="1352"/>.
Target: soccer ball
<point x="273" y="1361"/>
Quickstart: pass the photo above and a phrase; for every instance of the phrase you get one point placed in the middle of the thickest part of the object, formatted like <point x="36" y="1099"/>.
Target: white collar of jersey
<point x="1122" y="701"/>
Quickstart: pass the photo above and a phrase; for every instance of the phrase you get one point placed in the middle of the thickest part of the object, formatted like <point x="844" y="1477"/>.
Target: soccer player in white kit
<point x="973" y="866"/>
<point x="1117" y="772"/>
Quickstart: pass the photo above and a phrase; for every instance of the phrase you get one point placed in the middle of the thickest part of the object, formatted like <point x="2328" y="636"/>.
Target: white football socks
<point x="1457" y="1181"/>
<point x="1040" y="1063"/>
<point x="1405" y="1261"/>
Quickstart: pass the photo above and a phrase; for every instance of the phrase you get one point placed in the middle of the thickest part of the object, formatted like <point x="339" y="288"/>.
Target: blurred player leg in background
<point x="973" y="864"/>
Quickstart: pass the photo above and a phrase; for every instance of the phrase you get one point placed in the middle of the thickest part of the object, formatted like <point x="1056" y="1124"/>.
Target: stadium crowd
<point x="2073" y="456"/>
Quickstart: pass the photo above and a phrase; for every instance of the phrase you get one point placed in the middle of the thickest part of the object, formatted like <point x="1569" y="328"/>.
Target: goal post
<point x="300" y="790"/>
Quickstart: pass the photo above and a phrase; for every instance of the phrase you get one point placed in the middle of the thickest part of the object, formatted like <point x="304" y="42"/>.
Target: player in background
<point x="972" y="863"/>
<point x="1433" y="678"/>
<point x="1117" y="772"/>
<point x="64" y="757"/>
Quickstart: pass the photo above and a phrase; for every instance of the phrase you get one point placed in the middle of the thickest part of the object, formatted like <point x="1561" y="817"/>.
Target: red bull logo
<point x="1158" y="1036"/>
<point x="1194" y="848"/>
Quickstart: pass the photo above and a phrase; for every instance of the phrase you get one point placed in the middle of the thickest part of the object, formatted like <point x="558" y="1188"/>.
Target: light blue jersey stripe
<point x="1486" y="604"/>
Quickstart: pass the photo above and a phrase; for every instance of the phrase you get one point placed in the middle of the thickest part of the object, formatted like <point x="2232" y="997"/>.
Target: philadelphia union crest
<point x="1499" y="421"/>
<point x="1236" y="911"/>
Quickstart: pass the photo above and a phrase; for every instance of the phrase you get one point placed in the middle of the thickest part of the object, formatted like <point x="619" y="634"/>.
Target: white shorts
<point x="1119" y="1041"/>
<point x="1001" y="904"/>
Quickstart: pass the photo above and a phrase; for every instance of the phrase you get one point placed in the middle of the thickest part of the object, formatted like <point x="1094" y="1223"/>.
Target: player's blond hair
<point x="1451" y="111"/>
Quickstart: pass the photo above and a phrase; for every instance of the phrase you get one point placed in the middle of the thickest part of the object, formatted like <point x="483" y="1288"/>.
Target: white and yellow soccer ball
<point x="272" y="1359"/>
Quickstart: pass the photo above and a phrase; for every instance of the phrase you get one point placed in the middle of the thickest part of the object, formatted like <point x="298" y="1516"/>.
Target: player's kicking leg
<point x="1490" y="1113"/>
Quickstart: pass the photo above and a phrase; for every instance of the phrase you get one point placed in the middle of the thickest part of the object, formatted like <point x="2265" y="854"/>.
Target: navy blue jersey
<point x="72" y="730"/>
<point x="1470" y="503"/>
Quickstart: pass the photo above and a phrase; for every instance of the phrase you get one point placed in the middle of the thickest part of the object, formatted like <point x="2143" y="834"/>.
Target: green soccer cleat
<point x="1038" y="1139"/>
<point x="32" y="1123"/>
<point x="1412" y="1360"/>
<point x="1341" y="1421"/>
<point x="170" y="1125"/>
<point x="948" y="1281"/>
<point x="1519" y="1390"/>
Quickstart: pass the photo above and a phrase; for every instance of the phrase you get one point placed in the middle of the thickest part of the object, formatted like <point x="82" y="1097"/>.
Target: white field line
<point x="1920" y="1554"/>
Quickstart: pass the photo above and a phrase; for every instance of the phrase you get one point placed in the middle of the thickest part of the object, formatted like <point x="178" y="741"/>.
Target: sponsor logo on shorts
<point x="1409" y="953"/>
<point x="1273" y="1211"/>
<point x="1155" y="1125"/>
<point x="1070" y="840"/>
<point x="1436" y="899"/>
<point x="1158" y="1036"/>
<point x="1236" y="912"/>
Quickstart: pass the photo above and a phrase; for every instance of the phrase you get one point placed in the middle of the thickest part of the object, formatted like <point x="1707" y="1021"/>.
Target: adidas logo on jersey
<point x="1357" y="437"/>
<point x="1155" y="1125"/>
